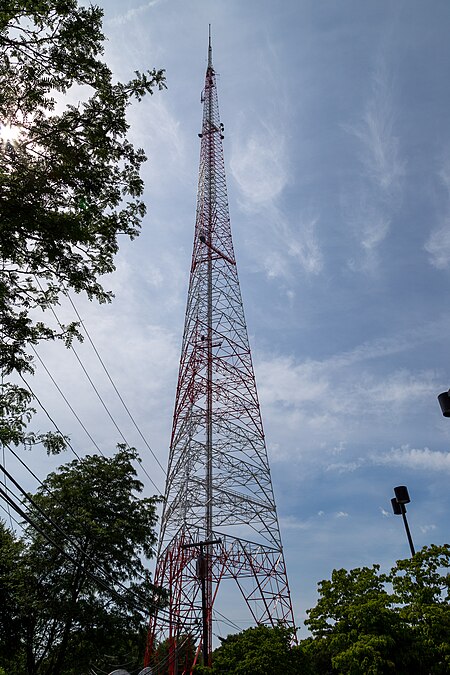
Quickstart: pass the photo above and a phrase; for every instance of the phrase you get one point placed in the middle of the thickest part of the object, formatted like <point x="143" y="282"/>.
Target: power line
<point x="6" y="487"/>
<point x="67" y="401"/>
<point x="38" y="479"/>
<point x="47" y="517"/>
<point x="91" y="382"/>
<point x="226" y="620"/>
<point x="79" y="420"/>
<point x="37" y="527"/>
<point x="11" y="517"/>
<point x="113" y="383"/>
<point x="48" y="415"/>
<point x="67" y="555"/>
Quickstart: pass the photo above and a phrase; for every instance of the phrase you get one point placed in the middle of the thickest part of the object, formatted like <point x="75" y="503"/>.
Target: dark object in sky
<point x="444" y="402"/>
<point x="401" y="494"/>
<point x="398" y="506"/>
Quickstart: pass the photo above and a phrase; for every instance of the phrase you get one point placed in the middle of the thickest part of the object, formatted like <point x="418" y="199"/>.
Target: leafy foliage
<point x="364" y="623"/>
<point x="256" y="651"/>
<point x="70" y="180"/>
<point x="87" y="592"/>
<point x="367" y="622"/>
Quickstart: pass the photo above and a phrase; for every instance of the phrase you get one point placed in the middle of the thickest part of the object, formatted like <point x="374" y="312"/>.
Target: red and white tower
<point x="218" y="486"/>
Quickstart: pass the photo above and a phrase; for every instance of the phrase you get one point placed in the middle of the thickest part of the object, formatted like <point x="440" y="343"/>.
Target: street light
<point x="444" y="402"/>
<point x="399" y="507"/>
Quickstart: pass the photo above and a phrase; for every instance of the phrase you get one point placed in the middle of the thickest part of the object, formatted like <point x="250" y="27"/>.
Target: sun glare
<point x="9" y="133"/>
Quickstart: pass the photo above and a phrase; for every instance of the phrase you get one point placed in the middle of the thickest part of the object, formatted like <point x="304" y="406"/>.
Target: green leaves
<point x="70" y="183"/>
<point x="256" y="651"/>
<point x="87" y="591"/>
<point x="367" y="622"/>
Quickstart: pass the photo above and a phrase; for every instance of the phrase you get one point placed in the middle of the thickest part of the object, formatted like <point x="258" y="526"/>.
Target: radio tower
<point x="219" y="522"/>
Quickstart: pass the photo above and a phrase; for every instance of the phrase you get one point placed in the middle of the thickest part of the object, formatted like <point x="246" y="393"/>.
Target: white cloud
<point x="283" y="381"/>
<point x="369" y="207"/>
<point x="283" y="249"/>
<point x="427" y="528"/>
<point x="346" y="467"/>
<point x="259" y="166"/>
<point x="402" y="387"/>
<point x="438" y="246"/>
<point x="157" y="128"/>
<point x="380" y="146"/>
<point x="438" y="242"/>
<point x="422" y="459"/>
<point x="133" y="13"/>
<point x="305" y="248"/>
<point x="293" y="523"/>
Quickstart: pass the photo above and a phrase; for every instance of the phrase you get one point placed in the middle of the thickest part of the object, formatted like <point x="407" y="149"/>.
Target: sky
<point x="336" y="147"/>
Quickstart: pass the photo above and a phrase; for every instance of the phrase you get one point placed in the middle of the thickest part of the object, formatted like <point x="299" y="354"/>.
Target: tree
<point x="257" y="651"/>
<point x="85" y="592"/>
<point x="371" y="623"/>
<point x="10" y="590"/>
<point x="421" y="588"/>
<point x="69" y="181"/>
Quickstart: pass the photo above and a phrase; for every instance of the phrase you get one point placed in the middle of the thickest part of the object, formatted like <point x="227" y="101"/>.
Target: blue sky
<point x="337" y="141"/>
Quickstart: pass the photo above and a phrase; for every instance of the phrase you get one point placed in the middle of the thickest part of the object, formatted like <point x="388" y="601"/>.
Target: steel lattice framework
<point x="218" y="480"/>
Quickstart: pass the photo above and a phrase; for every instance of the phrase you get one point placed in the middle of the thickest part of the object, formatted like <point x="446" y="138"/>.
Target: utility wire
<point x="6" y="487"/>
<point x="100" y="396"/>
<point x="58" y="528"/>
<point x="67" y="555"/>
<point x="48" y="415"/>
<point x="226" y="620"/>
<point x="113" y="384"/>
<point x="79" y="420"/>
<point x="96" y="578"/>
<point x="39" y="480"/>
<point x="100" y="581"/>
<point x="67" y="401"/>
<point x="8" y="511"/>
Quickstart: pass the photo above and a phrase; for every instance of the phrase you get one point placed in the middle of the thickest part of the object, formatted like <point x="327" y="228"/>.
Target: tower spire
<point x="209" y="48"/>
<point x="219" y="525"/>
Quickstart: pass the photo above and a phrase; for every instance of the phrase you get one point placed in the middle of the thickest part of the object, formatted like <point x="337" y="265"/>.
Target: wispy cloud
<point x="438" y="243"/>
<point x="370" y="207"/>
<point x="159" y="131"/>
<point x="319" y="410"/>
<point x="294" y="384"/>
<point x="427" y="528"/>
<point x="305" y="247"/>
<point x="293" y="523"/>
<point x="259" y="166"/>
<point x="379" y="145"/>
<point x="284" y="249"/>
<point x="422" y="459"/>
<point x="121" y="19"/>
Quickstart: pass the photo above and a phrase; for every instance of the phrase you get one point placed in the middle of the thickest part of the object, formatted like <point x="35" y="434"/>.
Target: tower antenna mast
<point x="219" y="525"/>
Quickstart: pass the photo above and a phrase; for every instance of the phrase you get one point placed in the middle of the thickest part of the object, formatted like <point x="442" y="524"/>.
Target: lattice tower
<point x="218" y="480"/>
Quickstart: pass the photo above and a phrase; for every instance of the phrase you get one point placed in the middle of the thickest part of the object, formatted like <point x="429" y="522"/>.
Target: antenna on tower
<point x="219" y="526"/>
<point x="209" y="47"/>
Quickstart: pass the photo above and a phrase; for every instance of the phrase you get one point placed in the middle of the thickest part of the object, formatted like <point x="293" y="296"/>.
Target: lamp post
<point x="444" y="402"/>
<point x="399" y="507"/>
